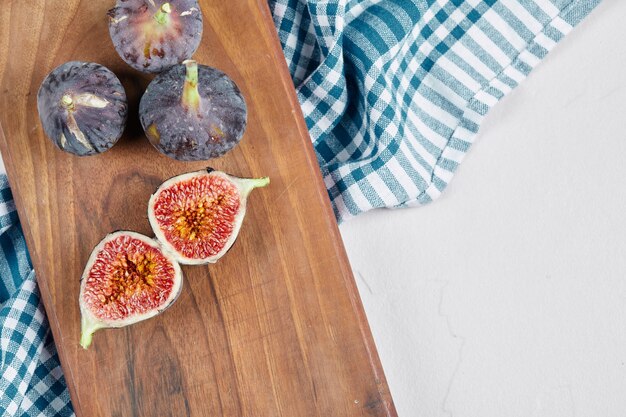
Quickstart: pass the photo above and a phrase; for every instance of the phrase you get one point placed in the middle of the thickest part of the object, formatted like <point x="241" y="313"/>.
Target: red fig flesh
<point x="128" y="278"/>
<point x="197" y="216"/>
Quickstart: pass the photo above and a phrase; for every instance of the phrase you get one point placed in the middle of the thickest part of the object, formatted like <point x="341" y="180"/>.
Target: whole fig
<point x="82" y="107"/>
<point x="193" y="112"/>
<point x="152" y="35"/>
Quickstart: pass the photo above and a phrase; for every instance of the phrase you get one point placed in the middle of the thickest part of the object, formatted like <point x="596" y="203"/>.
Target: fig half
<point x="193" y="112"/>
<point x="83" y="108"/>
<point x="197" y="216"/>
<point x="128" y="278"/>
<point x="153" y="35"/>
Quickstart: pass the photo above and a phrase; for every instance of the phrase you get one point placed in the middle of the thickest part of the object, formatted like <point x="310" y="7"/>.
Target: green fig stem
<point x="250" y="184"/>
<point x="88" y="328"/>
<point x="67" y="102"/>
<point x="162" y="15"/>
<point x="191" y="97"/>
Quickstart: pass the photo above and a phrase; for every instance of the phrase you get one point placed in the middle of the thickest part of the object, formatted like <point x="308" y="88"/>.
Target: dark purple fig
<point x="193" y="112"/>
<point x="82" y="107"/>
<point x="153" y="35"/>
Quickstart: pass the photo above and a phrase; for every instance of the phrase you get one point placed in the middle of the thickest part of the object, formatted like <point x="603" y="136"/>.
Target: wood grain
<point x="276" y="328"/>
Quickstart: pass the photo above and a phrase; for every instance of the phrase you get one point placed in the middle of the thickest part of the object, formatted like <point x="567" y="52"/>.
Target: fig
<point x="82" y="107"/>
<point x="197" y="216"/>
<point x="151" y="36"/>
<point x="128" y="278"/>
<point x="193" y="112"/>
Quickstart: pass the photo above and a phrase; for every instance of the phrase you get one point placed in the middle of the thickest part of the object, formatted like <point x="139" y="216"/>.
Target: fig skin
<point x="193" y="112"/>
<point x="152" y="36"/>
<point x="82" y="107"/>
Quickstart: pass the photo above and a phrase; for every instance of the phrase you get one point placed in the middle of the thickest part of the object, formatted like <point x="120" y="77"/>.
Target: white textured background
<point x="507" y="296"/>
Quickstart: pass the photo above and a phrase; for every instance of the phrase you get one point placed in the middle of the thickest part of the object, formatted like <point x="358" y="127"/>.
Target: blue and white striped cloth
<point x="31" y="380"/>
<point x="393" y="92"/>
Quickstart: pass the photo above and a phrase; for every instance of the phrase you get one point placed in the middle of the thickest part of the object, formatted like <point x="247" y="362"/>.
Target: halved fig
<point x="193" y="112"/>
<point x="83" y="108"/>
<point x="153" y="35"/>
<point x="197" y="215"/>
<point x="128" y="278"/>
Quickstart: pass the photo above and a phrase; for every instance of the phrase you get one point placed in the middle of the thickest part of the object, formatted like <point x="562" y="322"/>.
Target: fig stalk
<point x="88" y="328"/>
<point x="249" y="184"/>
<point x="67" y="102"/>
<point x="163" y="14"/>
<point x="191" y="96"/>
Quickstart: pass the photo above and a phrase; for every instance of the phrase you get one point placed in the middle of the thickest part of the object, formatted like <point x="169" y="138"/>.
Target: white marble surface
<point x="507" y="296"/>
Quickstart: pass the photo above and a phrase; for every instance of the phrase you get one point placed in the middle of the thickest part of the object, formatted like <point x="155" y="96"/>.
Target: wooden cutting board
<point x="276" y="328"/>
